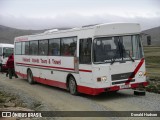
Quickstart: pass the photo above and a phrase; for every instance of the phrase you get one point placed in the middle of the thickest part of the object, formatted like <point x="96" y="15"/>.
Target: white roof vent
<point x="50" y="31"/>
<point x="74" y="28"/>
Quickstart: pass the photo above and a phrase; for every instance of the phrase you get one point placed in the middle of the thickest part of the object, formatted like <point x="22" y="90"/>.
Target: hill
<point x="155" y="36"/>
<point x="8" y="34"/>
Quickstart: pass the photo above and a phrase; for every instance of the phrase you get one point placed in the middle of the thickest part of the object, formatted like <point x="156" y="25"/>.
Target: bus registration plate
<point x="124" y="86"/>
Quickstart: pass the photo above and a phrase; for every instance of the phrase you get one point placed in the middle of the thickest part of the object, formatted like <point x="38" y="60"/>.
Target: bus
<point x="89" y="60"/>
<point x="5" y="51"/>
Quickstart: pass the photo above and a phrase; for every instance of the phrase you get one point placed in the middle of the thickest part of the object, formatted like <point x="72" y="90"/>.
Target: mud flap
<point x="139" y="93"/>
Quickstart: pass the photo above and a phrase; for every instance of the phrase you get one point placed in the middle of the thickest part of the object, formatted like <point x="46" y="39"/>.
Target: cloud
<point x="74" y="20"/>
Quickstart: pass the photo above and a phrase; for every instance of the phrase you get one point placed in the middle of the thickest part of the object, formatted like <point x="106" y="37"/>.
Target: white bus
<point x="5" y="51"/>
<point x="90" y="60"/>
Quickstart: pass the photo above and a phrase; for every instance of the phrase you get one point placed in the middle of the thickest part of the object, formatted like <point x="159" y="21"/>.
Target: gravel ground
<point x="46" y="98"/>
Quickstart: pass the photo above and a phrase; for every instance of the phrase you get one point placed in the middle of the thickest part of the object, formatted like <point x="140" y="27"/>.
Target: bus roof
<point x="94" y="30"/>
<point x="6" y="45"/>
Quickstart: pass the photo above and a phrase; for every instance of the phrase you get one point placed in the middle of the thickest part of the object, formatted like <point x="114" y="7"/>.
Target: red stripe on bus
<point x="81" y="89"/>
<point x="45" y="81"/>
<point x="50" y="82"/>
<point x="21" y="74"/>
<point x="44" y="66"/>
<point x="96" y="91"/>
<point x="82" y="70"/>
<point x="89" y="90"/>
<point x="135" y="71"/>
<point x="85" y="70"/>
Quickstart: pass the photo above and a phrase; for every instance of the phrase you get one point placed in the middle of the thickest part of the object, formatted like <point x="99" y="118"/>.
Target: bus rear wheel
<point x="72" y="86"/>
<point x="30" y="77"/>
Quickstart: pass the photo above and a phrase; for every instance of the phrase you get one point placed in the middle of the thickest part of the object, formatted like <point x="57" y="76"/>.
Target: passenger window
<point x="33" y="47"/>
<point x="54" y="47"/>
<point x="43" y="47"/>
<point x="25" y="48"/>
<point x="18" y="48"/>
<point x="68" y="46"/>
<point x="0" y="51"/>
<point x="85" y="51"/>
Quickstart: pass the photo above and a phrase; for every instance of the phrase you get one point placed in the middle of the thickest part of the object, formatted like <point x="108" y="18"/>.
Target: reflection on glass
<point x="7" y="51"/>
<point x="119" y="48"/>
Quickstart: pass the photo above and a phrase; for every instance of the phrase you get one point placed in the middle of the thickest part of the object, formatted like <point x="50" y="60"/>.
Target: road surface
<point x="61" y="100"/>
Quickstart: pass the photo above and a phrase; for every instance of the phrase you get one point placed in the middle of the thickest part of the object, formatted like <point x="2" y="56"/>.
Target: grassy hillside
<point x="8" y="34"/>
<point x="152" y="57"/>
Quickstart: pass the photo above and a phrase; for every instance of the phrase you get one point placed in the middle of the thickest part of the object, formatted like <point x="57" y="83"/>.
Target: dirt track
<point x="59" y="99"/>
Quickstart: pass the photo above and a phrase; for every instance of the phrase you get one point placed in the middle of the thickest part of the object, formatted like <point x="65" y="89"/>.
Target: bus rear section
<point x="5" y="51"/>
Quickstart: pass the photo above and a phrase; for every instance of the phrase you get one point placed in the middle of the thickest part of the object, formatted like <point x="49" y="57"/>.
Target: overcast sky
<point x="46" y="14"/>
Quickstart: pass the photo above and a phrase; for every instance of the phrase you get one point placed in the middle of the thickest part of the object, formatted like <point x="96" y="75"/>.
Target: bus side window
<point x="85" y="51"/>
<point x="54" y="47"/>
<point x="43" y="47"/>
<point x="0" y="51"/>
<point x="68" y="46"/>
<point x="33" y="47"/>
<point x="18" y="48"/>
<point x="25" y="48"/>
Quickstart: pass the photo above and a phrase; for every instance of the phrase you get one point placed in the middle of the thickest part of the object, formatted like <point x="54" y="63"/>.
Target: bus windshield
<point x="7" y="51"/>
<point x="117" y="49"/>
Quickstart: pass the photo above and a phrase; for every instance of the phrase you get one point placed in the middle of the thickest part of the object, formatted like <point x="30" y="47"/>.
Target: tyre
<point x="72" y="86"/>
<point x="140" y="93"/>
<point x="30" y="77"/>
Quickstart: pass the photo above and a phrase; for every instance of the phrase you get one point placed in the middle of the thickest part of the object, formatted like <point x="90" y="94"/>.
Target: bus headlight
<point x="140" y="74"/>
<point x="102" y="79"/>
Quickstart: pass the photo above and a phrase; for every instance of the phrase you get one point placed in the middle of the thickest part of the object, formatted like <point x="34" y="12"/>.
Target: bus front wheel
<point x="30" y="77"/>
<point x="72" y="86"/>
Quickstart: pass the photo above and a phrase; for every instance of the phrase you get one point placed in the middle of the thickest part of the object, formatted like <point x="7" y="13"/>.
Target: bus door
<point x="85" y="66"/>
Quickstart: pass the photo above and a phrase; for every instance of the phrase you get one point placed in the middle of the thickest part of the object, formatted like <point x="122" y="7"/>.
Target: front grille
<point x="120" y="82"/>
<point x="122" y="76"/>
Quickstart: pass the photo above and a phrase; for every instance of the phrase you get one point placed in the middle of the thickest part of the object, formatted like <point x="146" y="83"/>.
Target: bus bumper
<point x="131" y="86"/>
<point x="96" y="91"/>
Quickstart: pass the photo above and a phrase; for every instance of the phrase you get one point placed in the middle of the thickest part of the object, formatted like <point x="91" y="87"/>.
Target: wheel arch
<point x="67" y="80"/>
<point x="28" y="70"/>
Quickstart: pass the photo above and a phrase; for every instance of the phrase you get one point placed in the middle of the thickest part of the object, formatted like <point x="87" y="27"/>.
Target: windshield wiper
<point x="129" y="55"/>
<point x="114" y="57"/>
<point x="113" y="61"/>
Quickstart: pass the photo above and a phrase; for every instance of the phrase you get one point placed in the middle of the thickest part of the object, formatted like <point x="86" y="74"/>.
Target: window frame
<point x="1" y="51"/>
<point x="80" y="62"/>
<point x="30" y="48"/>
<point x="25" y="47"/>
<point x="139" y="40"/>
<point x="48" y="41"/>
<point x="61" y="46"/>
<point x="39" y="47"/>
<point x="16" y="47"/>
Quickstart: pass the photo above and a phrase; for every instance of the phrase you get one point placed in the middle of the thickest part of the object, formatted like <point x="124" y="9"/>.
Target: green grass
<point x="152" y="57"/>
